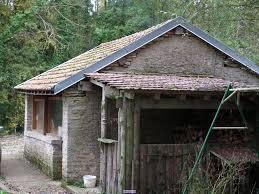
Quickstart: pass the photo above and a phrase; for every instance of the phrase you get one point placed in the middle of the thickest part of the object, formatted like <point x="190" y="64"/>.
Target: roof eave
<point x="34" y="91"/>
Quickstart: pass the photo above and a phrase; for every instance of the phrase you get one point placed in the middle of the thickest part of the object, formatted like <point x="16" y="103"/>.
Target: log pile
<point x="231" y="136"/>
<point x="226" y="136"/>
<point x="189" y="135"/>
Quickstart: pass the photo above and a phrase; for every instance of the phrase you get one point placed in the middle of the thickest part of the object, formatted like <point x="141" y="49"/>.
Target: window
<point x="38" y="121"/>
<point x="47" y="114"/>
<point x="54" y="115"/>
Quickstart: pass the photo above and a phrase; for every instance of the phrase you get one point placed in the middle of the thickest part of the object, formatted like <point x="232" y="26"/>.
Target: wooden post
<point x="136" y="149"/>
<point x="129" y="142"/>
<point x="122" y="134"/>
<point x="103" y="159"/>
<point x="119" y="106"/>
<point x="257" y="129"/>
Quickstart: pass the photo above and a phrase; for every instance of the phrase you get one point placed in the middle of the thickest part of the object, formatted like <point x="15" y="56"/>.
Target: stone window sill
<point x="50" y="139"/>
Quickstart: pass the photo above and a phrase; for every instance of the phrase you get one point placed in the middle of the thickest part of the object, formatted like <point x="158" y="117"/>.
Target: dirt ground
<point x="18" y="175"/>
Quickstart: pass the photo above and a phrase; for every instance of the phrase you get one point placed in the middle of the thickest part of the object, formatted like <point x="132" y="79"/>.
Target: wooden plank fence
<point x="164" y="167"/>
<point x="111" y="169"/>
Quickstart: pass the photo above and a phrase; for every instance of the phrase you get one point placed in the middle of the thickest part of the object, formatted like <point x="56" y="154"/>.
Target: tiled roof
<point x="47" y="80"/>
<point x="67" y="74"/>
<point x="153" y="82"/>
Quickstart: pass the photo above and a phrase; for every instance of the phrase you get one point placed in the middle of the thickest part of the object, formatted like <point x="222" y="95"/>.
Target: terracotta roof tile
<point x="125" y="81"/>
<point x="47" y="80"/>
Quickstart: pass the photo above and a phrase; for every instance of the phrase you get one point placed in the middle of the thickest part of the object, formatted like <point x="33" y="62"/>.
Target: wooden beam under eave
<point x="172" y="103"/>
<point x="97" y="83"/>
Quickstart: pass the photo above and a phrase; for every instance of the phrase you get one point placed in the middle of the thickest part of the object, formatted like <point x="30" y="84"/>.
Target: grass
<point x="79" y="184"/>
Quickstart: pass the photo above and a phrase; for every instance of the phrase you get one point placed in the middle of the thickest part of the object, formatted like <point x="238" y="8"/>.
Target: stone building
<point x="101" y="112"/>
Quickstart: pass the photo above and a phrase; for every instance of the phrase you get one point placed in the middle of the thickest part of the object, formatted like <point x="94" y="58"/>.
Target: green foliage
<point x="119" y="20"/>
<point x="36" y="35"/>
<point x="79" y="183"/>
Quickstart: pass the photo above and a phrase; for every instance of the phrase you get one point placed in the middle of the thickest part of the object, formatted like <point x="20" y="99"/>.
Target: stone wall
<point x="43" y="150"/>
<point x="81" y="128"/>
<point x="183" y="55"/>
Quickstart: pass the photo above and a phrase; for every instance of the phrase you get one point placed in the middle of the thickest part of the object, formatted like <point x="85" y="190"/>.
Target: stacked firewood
<point x="226" y="136"/>
<point x="189" y="135"/>
<point x="229" y="136"/>
<point x="195" y="135"/>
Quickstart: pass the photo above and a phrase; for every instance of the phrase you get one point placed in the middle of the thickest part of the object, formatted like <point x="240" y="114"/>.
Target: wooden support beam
<point x="136" y="147"/>
<point x="97" y="83"/>
<point x="119" y="102"/>
<point x="103" y="158"/>
<point x="129" y="143"/>
<point x="119" y="186"/>
<point x="103" y="114"/>
<point x="122" y="138"/>
<point x="257" y="128"/>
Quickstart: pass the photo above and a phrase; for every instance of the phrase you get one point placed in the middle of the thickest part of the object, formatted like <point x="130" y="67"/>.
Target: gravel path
<point x="18" y="175"/>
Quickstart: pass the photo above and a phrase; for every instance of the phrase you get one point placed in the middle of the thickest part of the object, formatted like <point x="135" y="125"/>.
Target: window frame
<point x="46" y="113"/>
